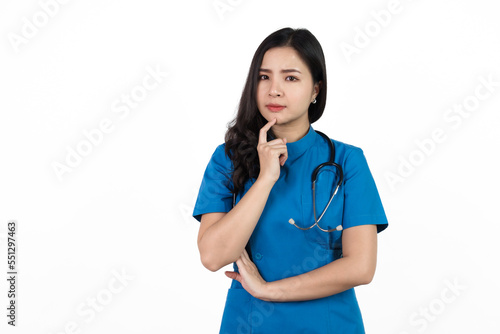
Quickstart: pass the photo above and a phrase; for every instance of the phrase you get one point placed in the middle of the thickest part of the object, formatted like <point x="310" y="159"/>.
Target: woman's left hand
<point x="249" y="276"/>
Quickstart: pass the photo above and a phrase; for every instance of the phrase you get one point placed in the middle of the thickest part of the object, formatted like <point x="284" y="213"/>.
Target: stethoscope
<point x="314" y="177"/>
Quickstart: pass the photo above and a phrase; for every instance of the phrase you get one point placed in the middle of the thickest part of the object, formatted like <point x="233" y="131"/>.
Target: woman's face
<point x="286" y="88"/>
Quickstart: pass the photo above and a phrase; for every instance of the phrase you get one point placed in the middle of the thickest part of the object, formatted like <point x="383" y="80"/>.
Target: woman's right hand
<point x="272" y="155"/>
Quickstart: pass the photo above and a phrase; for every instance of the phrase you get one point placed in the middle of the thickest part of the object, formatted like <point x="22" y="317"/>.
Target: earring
<point x="314" y="102"/>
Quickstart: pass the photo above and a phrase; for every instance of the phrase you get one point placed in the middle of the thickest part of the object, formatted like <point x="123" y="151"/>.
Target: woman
<point x="256" y="202"/>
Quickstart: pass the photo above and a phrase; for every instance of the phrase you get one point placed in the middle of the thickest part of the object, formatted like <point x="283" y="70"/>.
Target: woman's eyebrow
<point x="282" y="71"/>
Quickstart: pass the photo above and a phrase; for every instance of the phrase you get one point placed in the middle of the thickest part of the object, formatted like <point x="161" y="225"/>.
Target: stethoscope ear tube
<point x="324" y="164"/>
<point x="314" y="177"/>
<point x="316" y="220"/>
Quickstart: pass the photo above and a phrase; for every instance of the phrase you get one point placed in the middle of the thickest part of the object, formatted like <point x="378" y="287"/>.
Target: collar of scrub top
<point x="296" y="148"/>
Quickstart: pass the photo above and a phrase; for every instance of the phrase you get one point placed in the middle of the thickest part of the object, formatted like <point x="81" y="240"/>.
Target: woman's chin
<point x="270" y="116"/>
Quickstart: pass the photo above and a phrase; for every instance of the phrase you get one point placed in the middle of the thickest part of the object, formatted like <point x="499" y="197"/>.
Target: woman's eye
<point x="288" y="78"/>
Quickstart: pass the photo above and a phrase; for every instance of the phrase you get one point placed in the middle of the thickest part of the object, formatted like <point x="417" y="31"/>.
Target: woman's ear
<point x="317" y="88"/>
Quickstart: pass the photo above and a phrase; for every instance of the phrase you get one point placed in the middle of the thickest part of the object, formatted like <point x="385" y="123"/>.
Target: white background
<point x="126" y="206"/>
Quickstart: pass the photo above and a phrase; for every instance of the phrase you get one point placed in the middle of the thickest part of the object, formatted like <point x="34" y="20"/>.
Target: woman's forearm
<point x="357" y="267"/>
<point x="333" y="278"/>
<point x="223" y="242"/>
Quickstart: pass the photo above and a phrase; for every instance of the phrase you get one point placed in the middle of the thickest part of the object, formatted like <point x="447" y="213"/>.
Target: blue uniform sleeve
<point x="215" y="191"/>
<point x="362" y="203"/>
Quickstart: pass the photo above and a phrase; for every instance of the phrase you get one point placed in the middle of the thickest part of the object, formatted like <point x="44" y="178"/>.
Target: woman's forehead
<point x="283" y="58"/>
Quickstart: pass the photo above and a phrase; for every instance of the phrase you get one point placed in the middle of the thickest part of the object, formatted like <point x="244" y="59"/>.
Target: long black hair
<point x="243" y="132"/>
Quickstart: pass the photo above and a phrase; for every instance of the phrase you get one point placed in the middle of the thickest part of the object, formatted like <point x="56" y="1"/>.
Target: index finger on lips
<point x="264" y="129"/>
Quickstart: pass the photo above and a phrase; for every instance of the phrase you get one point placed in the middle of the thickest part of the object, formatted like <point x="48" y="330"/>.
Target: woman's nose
<point x="275" y="89"/>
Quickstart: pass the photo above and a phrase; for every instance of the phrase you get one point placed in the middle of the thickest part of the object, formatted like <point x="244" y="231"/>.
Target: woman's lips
<point x="275" y="107"/>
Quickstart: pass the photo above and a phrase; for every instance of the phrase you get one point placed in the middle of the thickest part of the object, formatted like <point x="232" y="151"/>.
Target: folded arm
<point x="356" y="267"/>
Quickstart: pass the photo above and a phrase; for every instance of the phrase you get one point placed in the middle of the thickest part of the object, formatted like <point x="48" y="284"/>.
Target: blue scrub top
<point x="281" y="250"/>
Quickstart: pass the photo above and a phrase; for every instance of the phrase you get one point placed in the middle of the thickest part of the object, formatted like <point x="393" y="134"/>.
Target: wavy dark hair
<point x="243" y="131"/>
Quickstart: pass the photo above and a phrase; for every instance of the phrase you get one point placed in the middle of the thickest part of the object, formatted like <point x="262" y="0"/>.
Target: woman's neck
<point x="292" y="133"/>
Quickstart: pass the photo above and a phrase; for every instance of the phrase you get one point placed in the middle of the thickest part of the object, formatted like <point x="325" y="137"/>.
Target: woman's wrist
<point x="272" y="292"/>
<point x="265" y="182"/>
